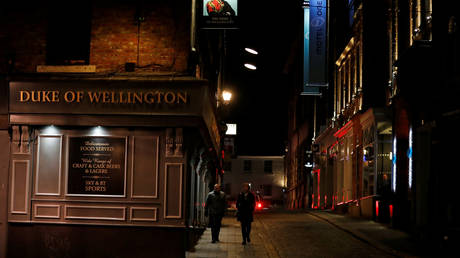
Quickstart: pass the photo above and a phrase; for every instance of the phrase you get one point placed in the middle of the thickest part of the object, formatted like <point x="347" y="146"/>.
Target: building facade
<point x="386" y="122"/>
<point x="424" y="55"/>
<point x="350" y="171"/>
<point x="108" y="127"/>
<point x="264" y="173"/>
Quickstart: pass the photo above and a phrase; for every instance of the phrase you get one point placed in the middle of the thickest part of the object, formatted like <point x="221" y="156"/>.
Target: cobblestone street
<point x="301" y="234"/>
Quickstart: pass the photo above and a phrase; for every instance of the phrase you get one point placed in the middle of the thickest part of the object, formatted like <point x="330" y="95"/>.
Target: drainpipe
<point x="193" y="27"/>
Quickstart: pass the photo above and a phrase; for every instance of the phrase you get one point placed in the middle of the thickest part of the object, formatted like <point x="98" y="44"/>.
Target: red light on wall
<point x="391" y="210"/>
<point x="344" y="130"/>
<point x="376" y="208"/>
<point x="319" y="193"/>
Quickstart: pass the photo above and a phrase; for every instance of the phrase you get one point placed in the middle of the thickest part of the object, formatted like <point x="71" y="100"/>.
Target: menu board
<point x="96" y="166"/>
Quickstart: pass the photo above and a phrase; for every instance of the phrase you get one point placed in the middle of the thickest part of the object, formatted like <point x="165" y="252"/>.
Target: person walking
<point x="215" y="209"/>
<point x="245" y="204"/>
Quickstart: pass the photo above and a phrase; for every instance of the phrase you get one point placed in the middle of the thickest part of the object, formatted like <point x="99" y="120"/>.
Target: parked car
<point x="261" y="203"/>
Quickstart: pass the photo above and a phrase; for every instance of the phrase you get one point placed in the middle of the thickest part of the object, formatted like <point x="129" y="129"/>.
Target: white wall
<point x="257" y="177"/>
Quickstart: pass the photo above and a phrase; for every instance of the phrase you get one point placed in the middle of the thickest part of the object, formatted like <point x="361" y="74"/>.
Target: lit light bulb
<point x="226" y="95"/>
<point x="250" y="66"/>
<point x="250" y="50"/>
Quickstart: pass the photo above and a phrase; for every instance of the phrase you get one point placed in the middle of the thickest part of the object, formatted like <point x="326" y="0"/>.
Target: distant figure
<point x="215" y="208"/>
<point x="245" y="204"/>
<point x="219" y="8"/>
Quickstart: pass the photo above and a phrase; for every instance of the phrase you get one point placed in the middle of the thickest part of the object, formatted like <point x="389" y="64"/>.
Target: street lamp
<point x="226" y="96"/>
<point x="251" y="51"/>
<point x="250" y="66"/>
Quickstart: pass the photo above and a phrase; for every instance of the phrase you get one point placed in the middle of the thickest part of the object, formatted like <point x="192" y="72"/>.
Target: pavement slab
<point x="230" y="242"/>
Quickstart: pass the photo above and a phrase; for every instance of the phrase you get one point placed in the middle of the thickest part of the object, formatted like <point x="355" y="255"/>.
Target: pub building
<point x="98" y="160"/>
<point x="84" y="169"/>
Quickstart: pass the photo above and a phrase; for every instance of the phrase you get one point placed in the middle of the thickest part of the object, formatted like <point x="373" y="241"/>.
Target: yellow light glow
<point x="226" y="95"/>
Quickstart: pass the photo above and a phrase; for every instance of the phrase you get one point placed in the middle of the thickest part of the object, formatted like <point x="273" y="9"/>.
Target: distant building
<point x="264" y="173"/>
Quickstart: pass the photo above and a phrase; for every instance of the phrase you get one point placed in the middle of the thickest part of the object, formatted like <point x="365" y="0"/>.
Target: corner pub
<point x="98" y="159"/>
<point x="83" y="171"/>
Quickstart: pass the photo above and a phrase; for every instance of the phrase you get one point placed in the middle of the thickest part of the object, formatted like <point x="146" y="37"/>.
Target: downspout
<point x="193" y="27"/>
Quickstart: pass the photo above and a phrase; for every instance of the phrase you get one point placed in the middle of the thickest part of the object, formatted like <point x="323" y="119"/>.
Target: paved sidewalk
<point x="380" y="236"/>
<point x="230" y="242"/>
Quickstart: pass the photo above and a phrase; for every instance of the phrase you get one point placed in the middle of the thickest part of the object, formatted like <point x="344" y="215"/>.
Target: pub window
<point x="339" y="91"/>
<point x="247" y="165"/>
<point x="349" y="78"/>
<point x="344" y="87"/>
<point x="68" y="36"/>
<point x="268" y="166"/>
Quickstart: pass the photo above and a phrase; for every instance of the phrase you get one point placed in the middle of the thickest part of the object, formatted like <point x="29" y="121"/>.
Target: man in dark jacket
<point x="246" y="204"/>
<point x="215" y="209"/>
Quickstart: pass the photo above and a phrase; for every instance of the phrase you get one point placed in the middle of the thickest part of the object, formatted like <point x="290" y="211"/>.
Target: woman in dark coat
<point x="245" y="204"/>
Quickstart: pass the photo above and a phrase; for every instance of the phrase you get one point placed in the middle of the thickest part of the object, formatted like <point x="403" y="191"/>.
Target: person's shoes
<point x="248" y="239"/>
<point x="213" y="241"/>
<point x="217" y="240"/>
<point x="244" y="243"/>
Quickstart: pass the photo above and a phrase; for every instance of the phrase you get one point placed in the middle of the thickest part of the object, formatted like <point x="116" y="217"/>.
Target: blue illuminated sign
<point x="314" y="58"/>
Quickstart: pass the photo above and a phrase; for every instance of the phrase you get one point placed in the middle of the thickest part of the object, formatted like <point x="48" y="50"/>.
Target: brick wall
<point x="164" y="38"/>
<point x="22" y="38"/>
<point x="163" y="35"/>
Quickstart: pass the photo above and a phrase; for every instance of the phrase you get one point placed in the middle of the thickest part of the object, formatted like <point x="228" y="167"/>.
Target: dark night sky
<point x="259" y="104"/>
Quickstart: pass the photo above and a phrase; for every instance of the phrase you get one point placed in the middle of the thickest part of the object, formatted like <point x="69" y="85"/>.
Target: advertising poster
<point x="219" y="14"/>
<point x="318" y="43"/>
<point x="308" y="89"/>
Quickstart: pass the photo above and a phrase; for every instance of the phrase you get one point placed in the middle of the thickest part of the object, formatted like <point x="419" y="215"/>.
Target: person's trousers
<point x="215" y="222"/>
<point x="245" y="229"/>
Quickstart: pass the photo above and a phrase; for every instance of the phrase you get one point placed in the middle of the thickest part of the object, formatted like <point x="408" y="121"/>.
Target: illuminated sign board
<point x="102" y="97"/>
<point x="318" y="36"/>
<point x="97" y="166"/>
<point x="219" y="14"/>
<point x="231" y="129"/>
<point x="315" y="46"/>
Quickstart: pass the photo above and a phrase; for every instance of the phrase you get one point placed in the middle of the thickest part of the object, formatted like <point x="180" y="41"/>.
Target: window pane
<point x="247" y="165"/>
<point x="268" y="166"/>
<point x="68" y="38"/>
